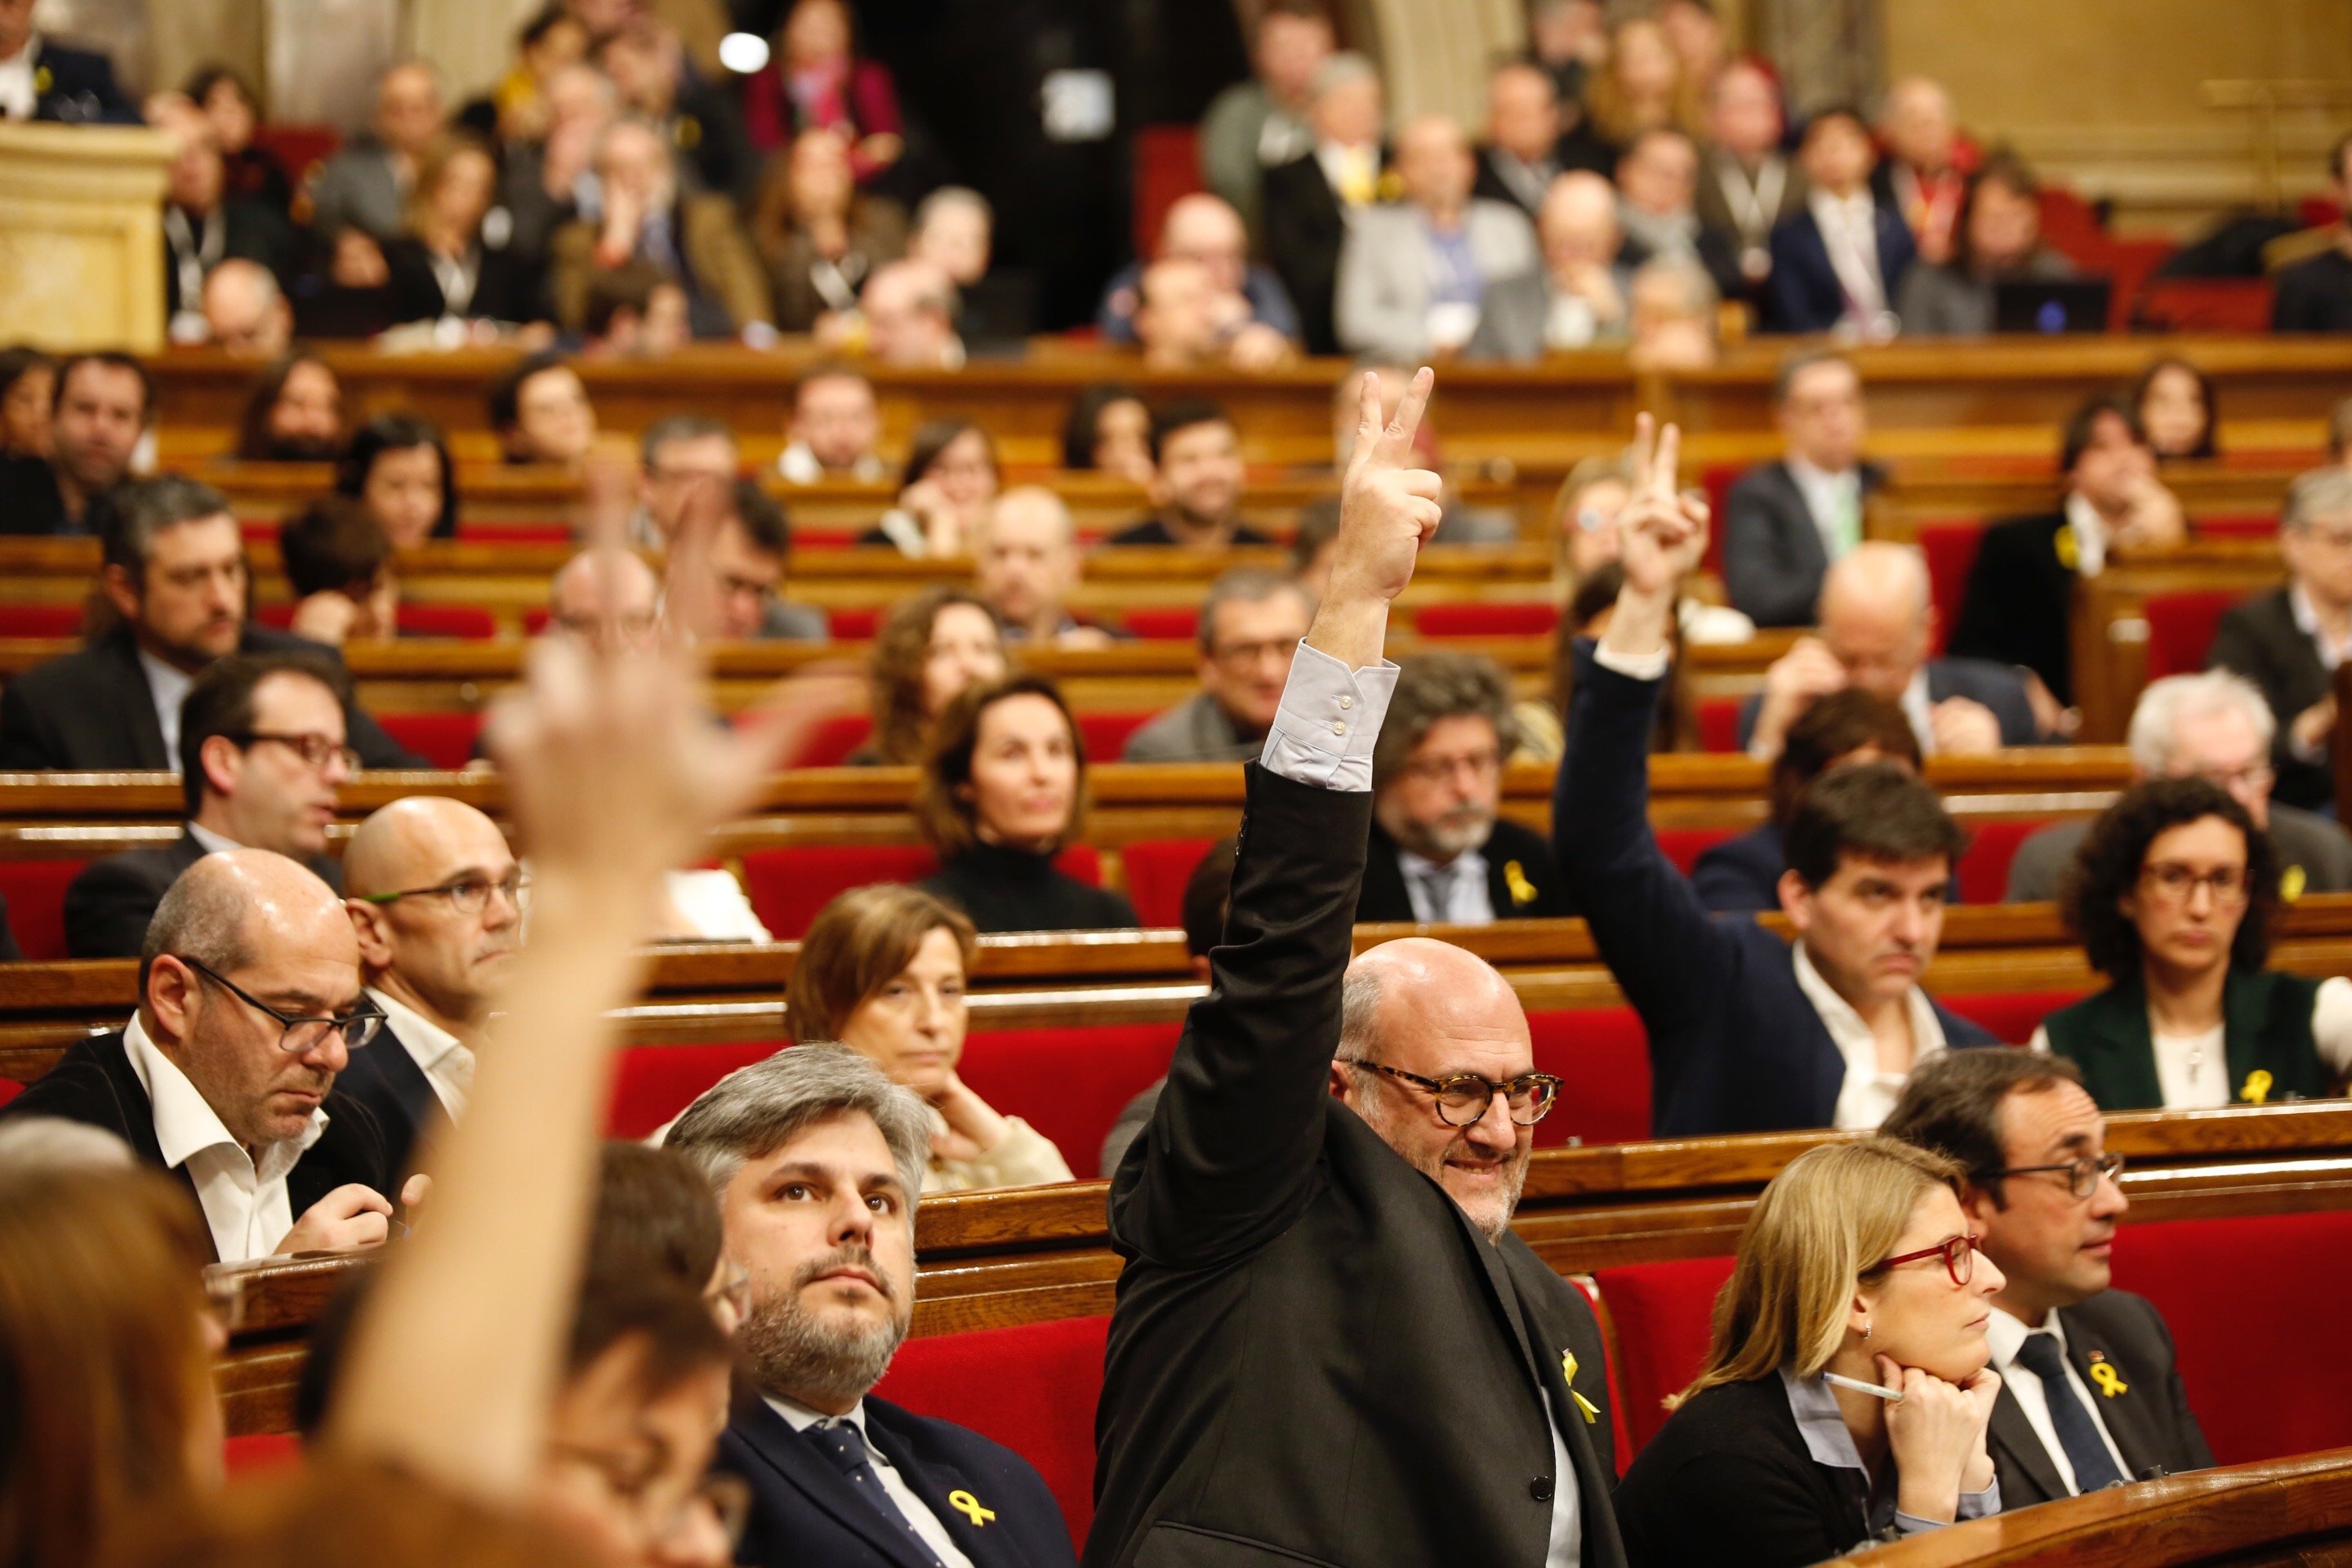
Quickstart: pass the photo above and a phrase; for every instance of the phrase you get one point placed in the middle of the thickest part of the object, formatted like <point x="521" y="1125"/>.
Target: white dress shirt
<point x="2090" y="532"/>
<point x="2306" y="620"/>
<point x="168" y="686"/>
<point x="2005" y="1335"/>
<point x="446" y="1062"/>
<point x="1917" y="709"/>
<point x="1849" y="227"/>
<point x="1323" y="735"/>
<point x="1868" y="1093"/>
<point x="1834" y="501"/>
<point x="894" y="1486"/>
<point x="1352" y="173"/>
<point x="2193" y="1070"/>
<point x="212" y="843"/>
<point x="1453" y="893"/>
<point x="246" y="1205"/>
<point x="18" y="95"/>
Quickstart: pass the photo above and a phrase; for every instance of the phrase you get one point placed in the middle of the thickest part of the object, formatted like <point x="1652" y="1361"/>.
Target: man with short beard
<point x="98" y="411"/>
<point x="817" y="1160"/>
<point x="1441" y="851"/>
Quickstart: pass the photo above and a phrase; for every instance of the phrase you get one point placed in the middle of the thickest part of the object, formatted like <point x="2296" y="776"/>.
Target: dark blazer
<point x="81" y="87"/>
<point x="1735" y="1044"/>
<point x="109" y="905"/>
<point x="1741" y="876"/>
<point x="2315" y="855"/>
<point x="1534" y="894"/>
<point x="1805" y="294"/>
<point x="1716" y="251"/>
<point x="2266" y="1029"/>
<point x="1998" y="686"/>
<point x="505" y="289"/>
<point x="9" y="952"/>
<point x="806" y="1511"/>
<point x="251" y="230"/>
<point x="1304" y="229"/>
<point x="1314" y="1357"/>
<point x="1772" y="554"/>
<point x="2020" y="594"/>
<point x="2315" y="295"/>
<point x="2259" y="640"/>
<point x="95" y="1082"/>
<point x="385" y="1078"/>
<point x="92" y="710"/>
<point x="2148" y="1418"/>
<point x="1582" y="148"/>
<point x="30" y="502"/>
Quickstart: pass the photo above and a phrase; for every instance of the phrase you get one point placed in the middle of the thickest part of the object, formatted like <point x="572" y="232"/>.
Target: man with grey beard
<point x="1440" y="852"/>
<point x="817" y="1160"/>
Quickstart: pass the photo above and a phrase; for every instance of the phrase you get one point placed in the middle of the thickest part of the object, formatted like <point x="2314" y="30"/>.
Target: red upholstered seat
<point x="833" y="742"/>
<point x="1169" y="623"/>
<point x="2181" y="628"/>
<point x="1157" y="871"/>
<point x="36" y="892"/>
<point x="1683" y="845"/>
<point x="281" y="617"/>
<point x="1660" y="1313"/>
<point x="2238" y="525"/>
<point x="1032" y="1388"/>
<point x="655" y="1083"/>
<point x="2009" y="1016"/>
<point x="788" y="887"/>
<point x="1603" y="1054"/>
<point x="9" y="1090"/>
<point x="2234" y="305"/>
<point x="535" y="620"/>
<point x="471" y="622"/>
<point x="1480" y="620"/>
<point x="1104" y="734"/>
<point x="444" y="740"/>
<point x="858" y="625"/>
<point x="1951" y="551"/>
<point x="298" y="148"/>
<point x="1719" y="724"/>
<point x="1167" y="170"/>
<point x="256" y="1452"/>
<point x="1069" y="1084"/>
<point x="41" y="621"/>
<point x="1984" y="869"/>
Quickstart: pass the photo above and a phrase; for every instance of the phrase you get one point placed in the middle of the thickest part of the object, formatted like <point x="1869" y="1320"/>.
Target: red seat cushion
<point x="280" y="616"/>
<point x="1509" y="620"/>
<point x="2238" y="525"/>
<point x="1157" y="872"/>
<point x="47" y="622"/>
<point x="9" y="1090"/>
<point x="1983" y="872"/>
<point x="468" y="621"/>
<point x="855" y="625"/>
<point x="1069" y="1084"/>
<point x="1662" y="1314"/>
<point x="445" y="740"/>
<point x="1951" y="551"/>
<point x="2181" y="629"/>
<point x="830" y="745"/>
<point x="36" y="892"/>
<point x="1033" y="1388"/>
<point x="2232" y="305"/>
<point x="1603" y="1054"/>
<point x="2009" y="1016"/>
<point x="1167" y="169"/>
<point x="654" y="1083"/>
<point x="1683" y="845"/>
<point x="1719" y="724"/>
<point x="256" y="1452"/>
<point x="535" y="620"/>
<point x="1104" y="734"/>
<point x="1175" y="623"/>
<point x="787" y="887"/>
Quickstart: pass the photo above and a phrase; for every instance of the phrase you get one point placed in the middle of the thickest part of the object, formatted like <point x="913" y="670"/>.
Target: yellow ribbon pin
<point x="2291" y="883"/>
<point x="2110" y="1381"/>
<point x="1515" y="877"/>
<point x="1568" y="1375"/>
<point x="2258" y="1087"/>
<point x="2070" y="554"/>
<point x="969" y="1506"/>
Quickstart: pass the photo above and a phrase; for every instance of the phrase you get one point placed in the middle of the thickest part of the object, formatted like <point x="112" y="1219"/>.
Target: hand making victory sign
<point x="1387" y="510"/>
<point x="1662" y="539"/>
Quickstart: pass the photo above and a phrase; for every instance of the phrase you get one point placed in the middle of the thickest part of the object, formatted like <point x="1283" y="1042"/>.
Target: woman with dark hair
<point x="2172" y="897"/>
<point x="818" y="81"/>
<point x="819" y="235"/>
<point x="2176" y="405"/>
<point x="950" y="478"/>
<point x="1003" y="791"/>
<point x="931" y="646"/>
<point x="1109" y="431"/>
<point x="28" y="381"/>
<point x="450" y="262"/>
<point x="294" y="414"/>
<point x="1996" y="239"/>
<point x="400" y="465"/>
<point x="229" y="104"/>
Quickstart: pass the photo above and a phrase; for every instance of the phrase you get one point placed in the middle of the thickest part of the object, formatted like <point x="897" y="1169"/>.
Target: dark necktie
<point x="844" y="1446"/>
<point x="2077" y="1433"/>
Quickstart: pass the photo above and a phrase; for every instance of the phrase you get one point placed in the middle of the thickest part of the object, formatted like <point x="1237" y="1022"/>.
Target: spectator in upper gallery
<point x="643" y="215"/>
<point x="1697" y="33"/>
<point x="1109" y="431"/>
<point x="1675" y="310"/>
<point x="229" y="101"/>
<point x="1264" y="122"/>
<point x="1838" y="264"/>
<point x="2288" y="641"/>
<point x="2178" y="410"/>
<point x="1748" y="186"/>
<point x="1784" y="522"/>
<point x="1025" y="564"/>
<point x="448" y="260"/>
<point x="1569" y="40"/>
<point x="203" y="227"/>
<point x="1529" y="143"/>
<point x="1196" y="481"/>
<point x="1440" y="852"/>
<point x="678" y="455"/>
<point x="1205" y="230"/>
<point x="1996" y="239"/>
<point x="955" y="231"/>
<point x="1003" y="792"/>
<point x="44" y="81"/>
<point x="99" y="412"/>
<point x="176" y="574"/>
<point x="905" y="318"/>
<point x="1250" y="625"/>
<point x="698" y="119"/>
<point x="1185" y="321"/>
<point x="1877" y="622"/>
<point x="1657" y="180"/>
<point x="1641" y="86"/>
<point x="834" y="427"/>
<point x="951" y="477"/>
<point x="1585" y="284"/>
<point x="820" y="235"/>
<point x="931" y="645"/>
<point x="337" y="566"/>
<point x="1307" y="204"/>
<point x="366" y="185"/>
<point x="2173" y="895"/>
<point x="262" y="758"/>
<point x="819" y="81"/>
<point x="2315" y="295"/>
<point x="2214" y="726"/>
<point x="293" y="415"/>
<point x="28" y="385"/>
<point x="1925" y="174"/>
<point x="1414" y="276"/>
<point x="547" y="182"/>
<point x="399" y="465"/>
<point x="2021" y="587"/>
<point x="1851" y="724"/>
<point x="516" y="111"/>
<point x="634" y="311"/>
<point x="541" y="411"/>
<point x="749" y="556"/>
<point x="245" y="312"/>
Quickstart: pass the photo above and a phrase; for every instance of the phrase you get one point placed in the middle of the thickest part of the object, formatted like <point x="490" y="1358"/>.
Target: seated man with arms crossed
<point x="1747" y="1032"/>
<point x="1329" y="1346"/>
<point x="2090" y="1395"/>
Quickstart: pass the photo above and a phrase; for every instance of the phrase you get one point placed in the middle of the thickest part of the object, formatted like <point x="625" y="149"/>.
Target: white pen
<point x="1892" y="1395"/>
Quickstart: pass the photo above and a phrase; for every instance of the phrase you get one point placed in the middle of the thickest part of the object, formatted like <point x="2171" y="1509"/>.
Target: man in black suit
<point x="249" y="1008"/>
<point x="1749" y="1033"/>
<point x="817" y="1160"/>
<point x="43" y="80"/>
<point x="1306" y="203"/>
<point x="1784" y="522"/>
<point x="262" y="754"/>
<point x="2090" y="1394"/>
<point x="1440" y="852"/>
<point x="99" y="406"/>
<point x="1526" y="147"/>
<point x="2020" y="590"/>
<point x="1839" y="262"/>
<point x="436" y="897"/>
<point x="1318" y="1253"/>
<point x="175" y="571"/>
<point x="2289" y="641"/>
<point x="2315" y="295"/>
<point x="205" y="226"/>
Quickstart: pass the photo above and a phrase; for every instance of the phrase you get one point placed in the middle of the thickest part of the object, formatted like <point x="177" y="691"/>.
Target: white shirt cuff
<point x="1330" y="720"/>
<point x="1634" y="665"/>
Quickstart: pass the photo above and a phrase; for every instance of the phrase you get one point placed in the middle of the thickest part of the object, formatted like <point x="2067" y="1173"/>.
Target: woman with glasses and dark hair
<point x="1846" y="1395"/>
<point x="400" y="465"/>
<point x="2172" y="896"/>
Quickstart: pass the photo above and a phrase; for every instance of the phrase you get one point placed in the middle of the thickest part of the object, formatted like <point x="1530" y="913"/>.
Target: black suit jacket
<point x="806" y="1511"/>
<point x="1998" y="686"/>
<point x="109" y="906"/>
<point x="385" y="1078"/>
<point x="251" y="230"/>
<point x="1314" y="1357"/>
<point x="1773" y="558"/>
<point x="1805" y="294"/>
<point x="1741" y="876"/>
<point x="81" y="87"/>
<point x="2148" y="1418"/>
<point x="31" y="505"/>
<point x="95" y="1082"/>
<point x="504" y="289"/>
<point x="1305" y="228"/>
<point x="2259" y="640"/>
<point x="1580" y="148"/>
<point x="9" y="952"/>
<point x="92" y="711"/>
<point x="1534" y="894"/>
<point x="2020" y="599"/>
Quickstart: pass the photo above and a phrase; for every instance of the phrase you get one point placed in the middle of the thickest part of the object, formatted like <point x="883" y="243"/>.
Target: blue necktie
<point x="2077" y="1433"/>
<point x="844" y="1446"/>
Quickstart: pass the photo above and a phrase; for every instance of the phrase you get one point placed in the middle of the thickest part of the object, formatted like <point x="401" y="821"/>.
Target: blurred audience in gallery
<point x="949" y="478"/>
<point x="835" y="426"/>
<point x="399" y="466"/>
<point x="294" y="413"/>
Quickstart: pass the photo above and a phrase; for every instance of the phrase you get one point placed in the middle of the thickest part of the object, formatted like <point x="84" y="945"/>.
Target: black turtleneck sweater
<point x="1003" y="888"/>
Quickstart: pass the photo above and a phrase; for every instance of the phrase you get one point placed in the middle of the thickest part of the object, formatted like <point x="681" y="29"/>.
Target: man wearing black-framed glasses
<point x="2090" y="1394"/>
<point x="250" y="1008"/>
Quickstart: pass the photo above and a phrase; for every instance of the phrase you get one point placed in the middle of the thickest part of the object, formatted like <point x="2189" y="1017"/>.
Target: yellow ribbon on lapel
<point x="969" y="1506"/>
<point x="1515" y="877"/>
<point x="2291" y="883"/>
<point x="2258" y="1087"/>
<point x="2109" y="1380"/>
<point x="1568" y="1375"/>
<point x="2070" y="554"/>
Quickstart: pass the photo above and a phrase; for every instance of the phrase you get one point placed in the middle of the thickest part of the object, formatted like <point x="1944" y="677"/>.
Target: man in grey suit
<point x="1413" y="276"/>
<point x="366" y="185"/>
<point x="1250" y="625"/>
<point x="1784" y="522"/>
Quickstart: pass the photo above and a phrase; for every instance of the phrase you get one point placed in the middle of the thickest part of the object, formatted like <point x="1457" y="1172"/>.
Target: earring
<point x="1865" y="1330"/>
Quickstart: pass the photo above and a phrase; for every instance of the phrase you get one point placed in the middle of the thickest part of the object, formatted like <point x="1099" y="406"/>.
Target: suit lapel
<point x="1595" y="1479"/>
<point x="2014" y="1439"/>
<point x="137" y="714"/>
<point x="1806" y="537"/>
<point x="2124" y="1413"/>
<point x="409" y="1084"/>
<point x="791" y="1459"/>
<point x="981" y="1537"/>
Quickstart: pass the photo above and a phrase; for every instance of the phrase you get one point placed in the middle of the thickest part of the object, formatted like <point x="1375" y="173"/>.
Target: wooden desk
<point x="2110" y="623"/>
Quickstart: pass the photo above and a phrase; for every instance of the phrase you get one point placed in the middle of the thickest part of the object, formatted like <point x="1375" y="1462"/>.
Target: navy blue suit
<point x="78" y="85"/>
<point x="1998" y="686"/>
<point x="804" y="1511"/>
<point x="1805" y="295"/>
<point x="385" y="1078"/>
<point x="1741" y="876"/>
<point x="1735" y="1044"/>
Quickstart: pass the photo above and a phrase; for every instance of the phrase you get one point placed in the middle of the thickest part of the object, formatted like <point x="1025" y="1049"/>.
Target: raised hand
<point x="1664" y="531"/>
<point x="1388" y="510"/>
